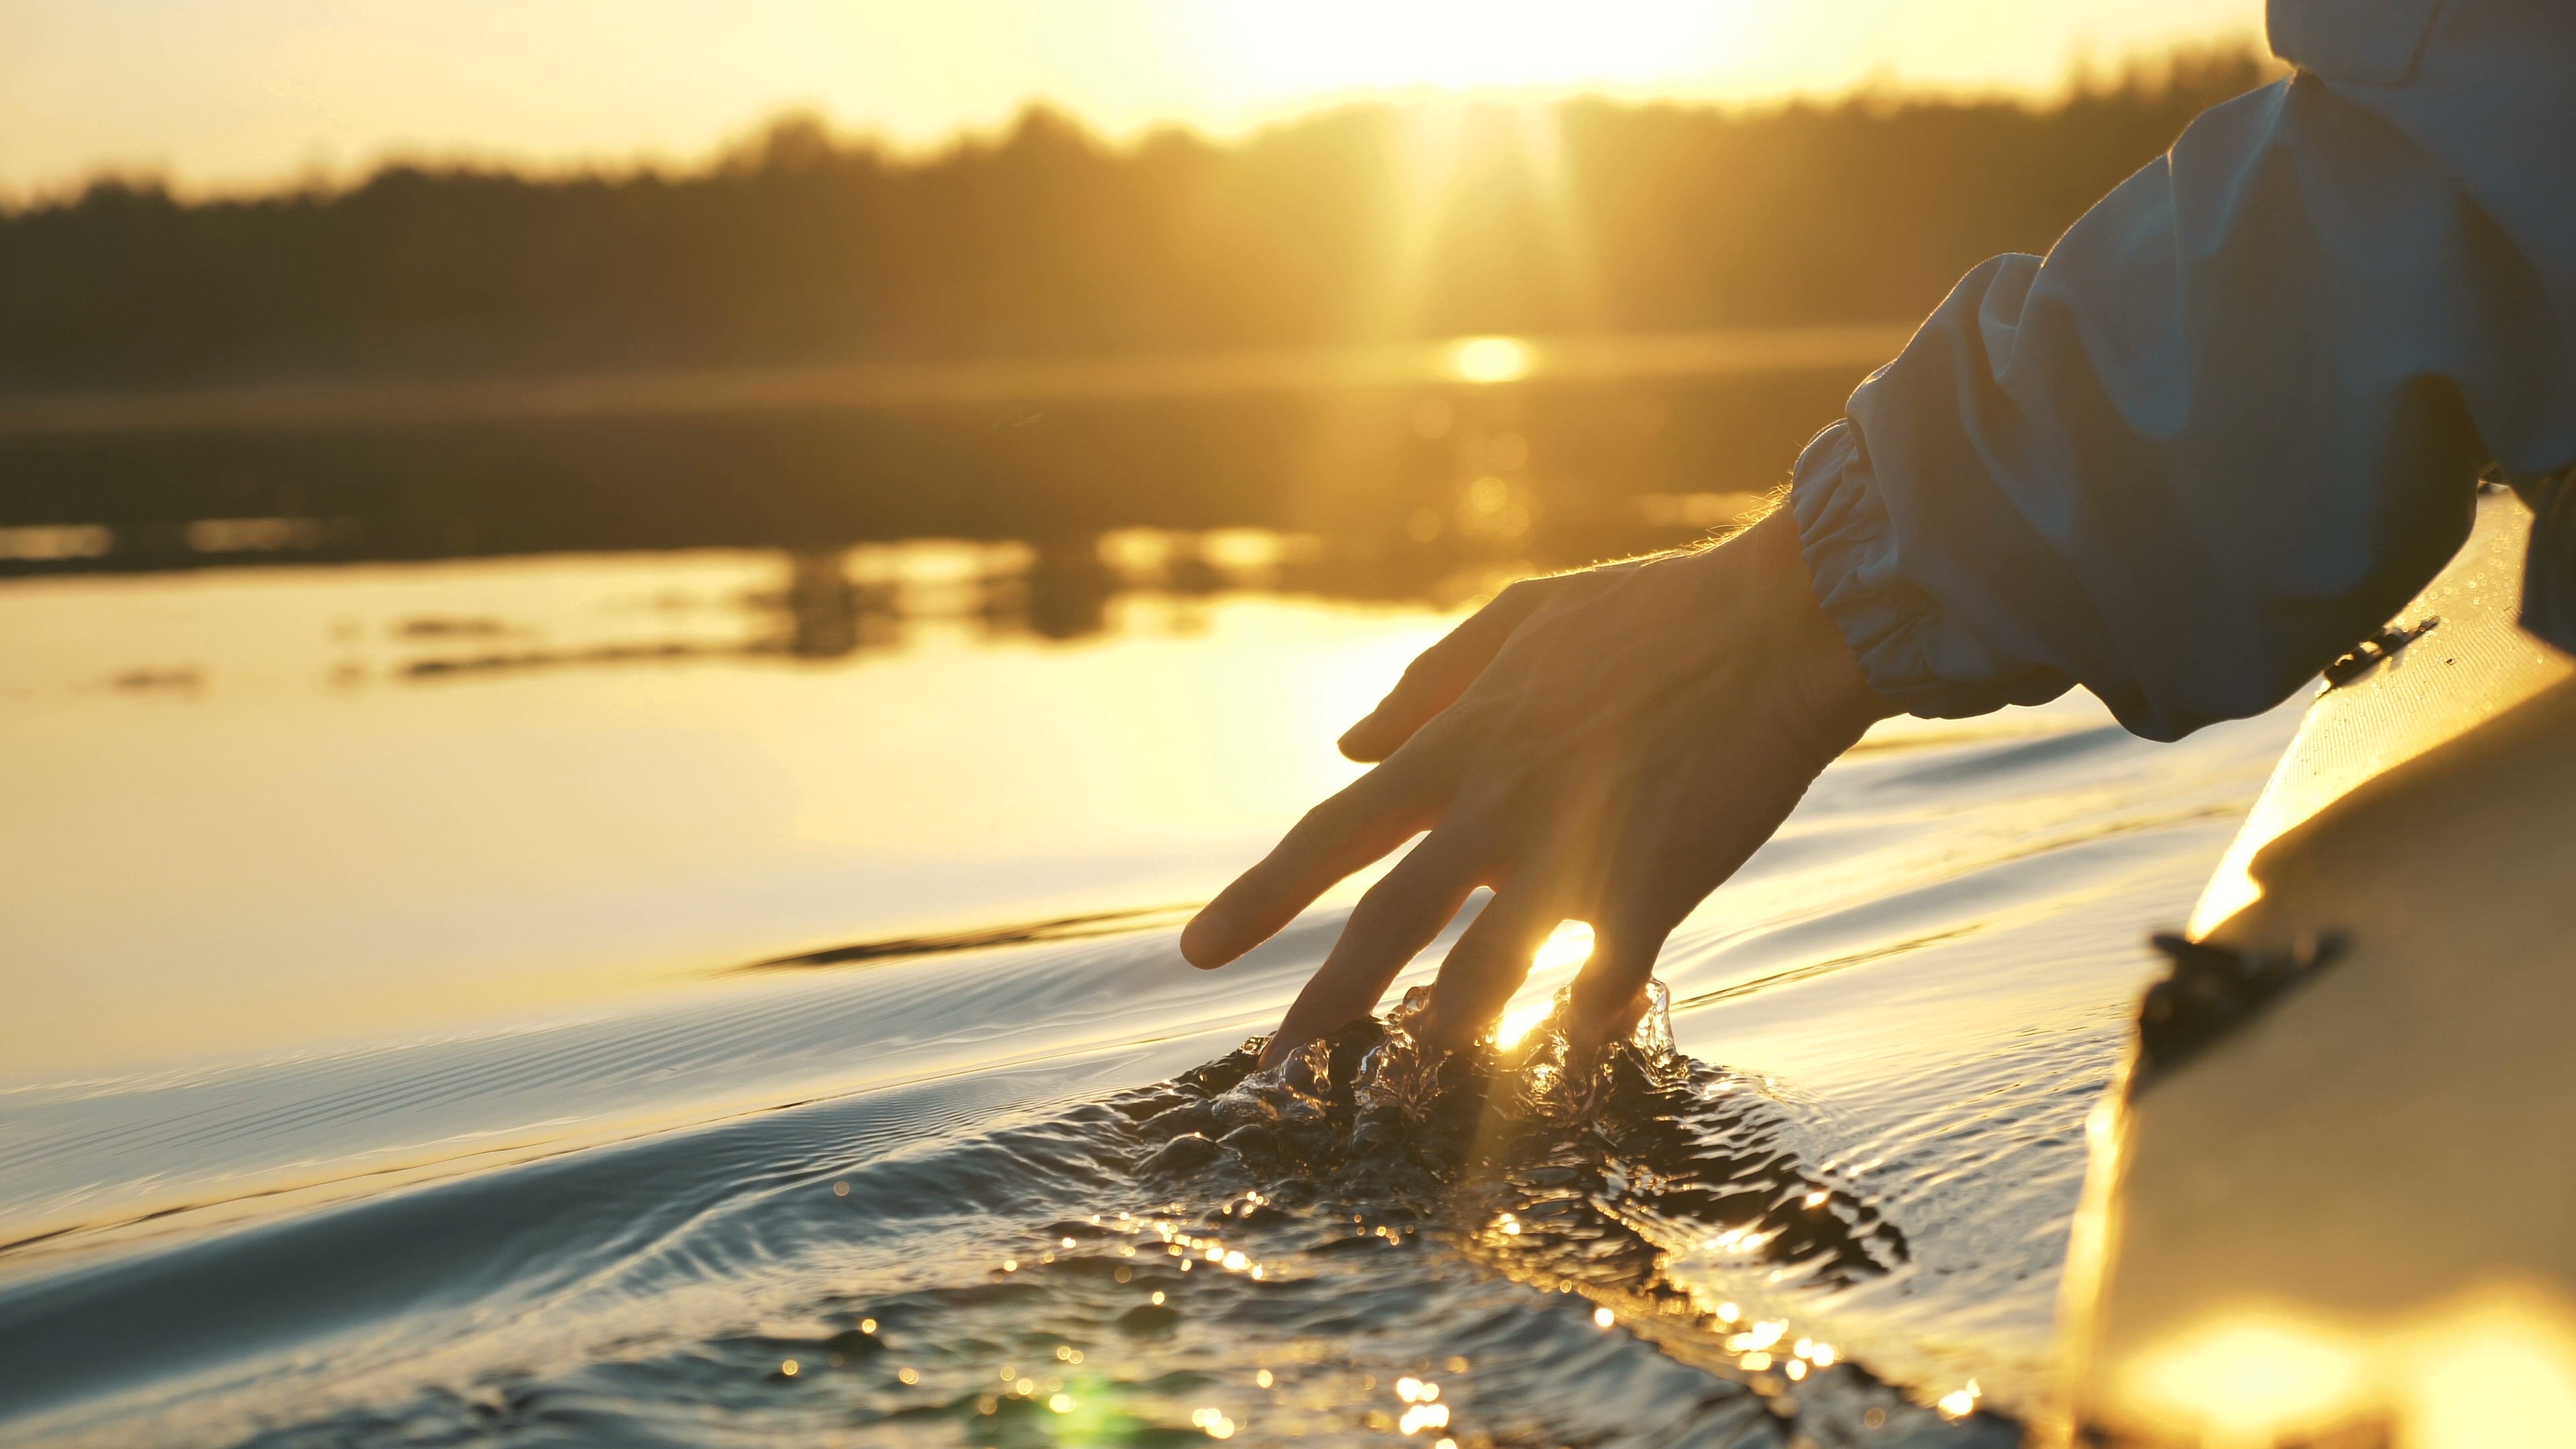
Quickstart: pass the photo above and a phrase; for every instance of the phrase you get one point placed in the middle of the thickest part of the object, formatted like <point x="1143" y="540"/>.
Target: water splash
<point x="1599" y="1157"/>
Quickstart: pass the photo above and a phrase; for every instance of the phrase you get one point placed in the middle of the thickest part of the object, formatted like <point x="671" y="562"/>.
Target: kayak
<point x="2332" y="1194"/>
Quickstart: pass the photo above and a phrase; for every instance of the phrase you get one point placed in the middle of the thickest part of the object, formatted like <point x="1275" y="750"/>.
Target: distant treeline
<point x="1362" y="224"/>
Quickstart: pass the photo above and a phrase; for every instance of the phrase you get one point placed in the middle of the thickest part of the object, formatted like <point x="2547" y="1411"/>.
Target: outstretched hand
<point x="1604" y="746"/>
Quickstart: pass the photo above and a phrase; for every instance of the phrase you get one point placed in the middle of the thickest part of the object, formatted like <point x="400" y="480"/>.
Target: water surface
<point x="556" y="1051"/>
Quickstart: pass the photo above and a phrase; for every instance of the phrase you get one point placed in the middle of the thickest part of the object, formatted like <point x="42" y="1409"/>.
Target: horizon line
<point x="2144" y="68"/>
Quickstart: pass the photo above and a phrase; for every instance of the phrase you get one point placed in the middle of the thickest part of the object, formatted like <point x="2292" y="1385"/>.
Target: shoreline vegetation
<point x="1035" y="335"/>
<point x="1368" y="223"/>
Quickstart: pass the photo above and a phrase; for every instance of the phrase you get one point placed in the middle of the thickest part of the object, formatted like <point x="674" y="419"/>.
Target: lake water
<point x="529" y="1002"/>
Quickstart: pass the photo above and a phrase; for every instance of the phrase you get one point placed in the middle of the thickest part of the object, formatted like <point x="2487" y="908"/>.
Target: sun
<point x="1324" y="47"/>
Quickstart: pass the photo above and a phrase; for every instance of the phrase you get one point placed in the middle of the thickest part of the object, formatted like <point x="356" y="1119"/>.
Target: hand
<point x="1605" y="746"/>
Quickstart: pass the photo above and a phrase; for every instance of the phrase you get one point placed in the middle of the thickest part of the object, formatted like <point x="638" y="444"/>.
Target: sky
<point x="234" y="95"/>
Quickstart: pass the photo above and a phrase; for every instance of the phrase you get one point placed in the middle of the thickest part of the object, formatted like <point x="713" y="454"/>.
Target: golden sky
<point x="226" y="94"/>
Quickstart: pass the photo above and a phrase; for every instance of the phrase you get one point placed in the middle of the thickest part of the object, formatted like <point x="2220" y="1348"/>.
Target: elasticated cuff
<point x="1851" y="552"/>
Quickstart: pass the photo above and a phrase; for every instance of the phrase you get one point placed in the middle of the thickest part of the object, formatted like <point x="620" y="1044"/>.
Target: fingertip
<point x="1359" y="742"/>
<point x="1441" y="1029"/>
<point x="1611" y="991"/>
<point x="1277" y="1049"/>
<point x="1203" y="941"/>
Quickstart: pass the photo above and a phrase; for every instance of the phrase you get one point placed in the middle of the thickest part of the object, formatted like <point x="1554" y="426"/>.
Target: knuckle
<point x="1416" y="772"/>
<point x="1336" y="820"/>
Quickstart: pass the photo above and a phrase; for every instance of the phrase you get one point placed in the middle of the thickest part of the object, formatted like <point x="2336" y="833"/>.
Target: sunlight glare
<point x="1489" y="359"/>
<point x="2500" y="1371"/>
<point x="1566" y="947"/>
<point x="1564" y="951"/>
<point x="2250" y="1378"/>
<point x="1336" y="45"/>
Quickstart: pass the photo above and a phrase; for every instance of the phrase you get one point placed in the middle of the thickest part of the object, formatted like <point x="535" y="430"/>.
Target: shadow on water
<point x="1061" y="928"/>
<point x="1362" y="1246"/>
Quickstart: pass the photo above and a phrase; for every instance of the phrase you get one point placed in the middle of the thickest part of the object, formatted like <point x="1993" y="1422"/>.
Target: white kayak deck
<point x="2350" y="1217"/>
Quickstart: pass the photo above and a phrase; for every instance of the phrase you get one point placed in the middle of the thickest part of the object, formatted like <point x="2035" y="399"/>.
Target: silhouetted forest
<point x="450" y="362"/>
<point x="1367" y="223"/>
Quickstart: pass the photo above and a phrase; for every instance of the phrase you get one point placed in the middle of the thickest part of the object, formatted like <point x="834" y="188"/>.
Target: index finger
<point x="1371" y="816"/>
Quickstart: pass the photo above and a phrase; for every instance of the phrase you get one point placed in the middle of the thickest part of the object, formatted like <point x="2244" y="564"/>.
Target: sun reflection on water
<point x="1490" y="359"/>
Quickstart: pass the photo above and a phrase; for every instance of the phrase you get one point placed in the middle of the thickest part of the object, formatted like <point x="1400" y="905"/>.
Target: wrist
<point x="1824" y="695"/>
